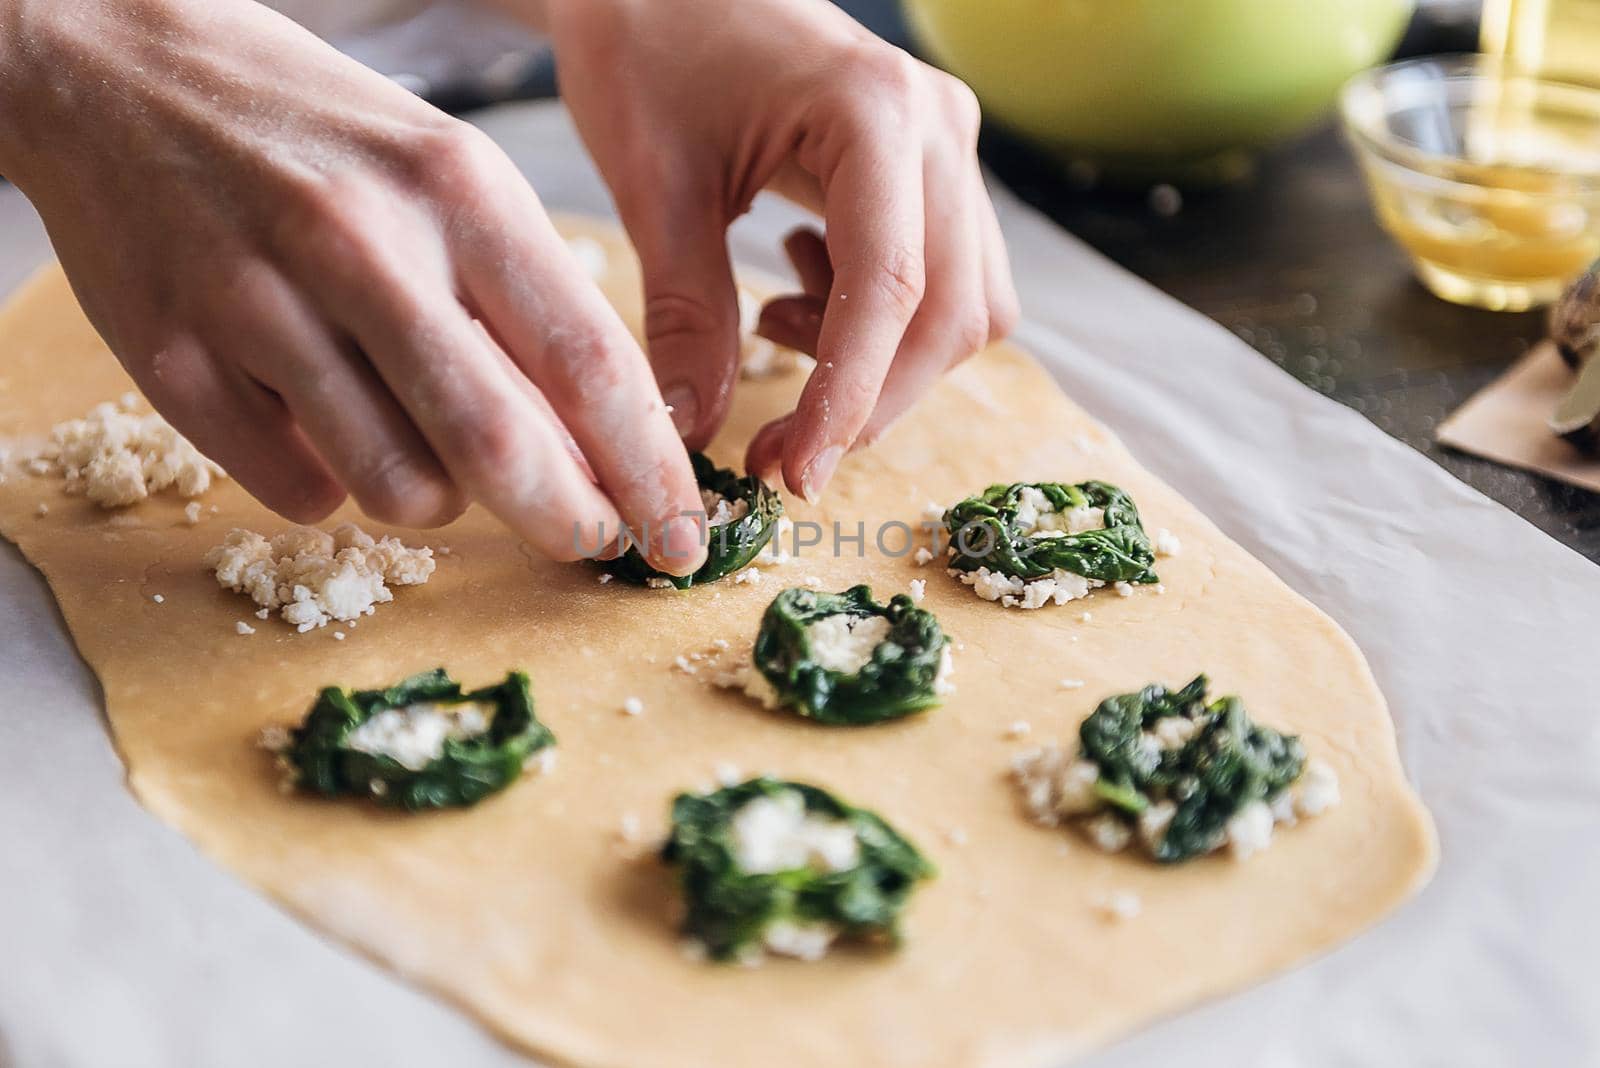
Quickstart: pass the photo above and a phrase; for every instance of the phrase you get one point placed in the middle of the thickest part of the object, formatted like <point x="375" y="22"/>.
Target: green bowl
<point x="1177" y="90"/>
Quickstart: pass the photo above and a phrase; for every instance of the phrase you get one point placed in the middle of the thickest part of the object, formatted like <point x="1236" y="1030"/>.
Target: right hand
<point x="292" y="257"/>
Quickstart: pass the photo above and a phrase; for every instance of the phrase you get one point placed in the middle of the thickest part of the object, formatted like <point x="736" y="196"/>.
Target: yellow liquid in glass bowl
<point x="1491" y="184"/>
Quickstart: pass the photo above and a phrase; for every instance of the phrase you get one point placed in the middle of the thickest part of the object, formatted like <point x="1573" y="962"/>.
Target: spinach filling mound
<point x="787" y="868"/>
<point x="1026" y="544"/>
<point x="741" y="516"/>
<point x="1182" y="775"/>
<point x="422" y="743"/>
<point x="845" y="660"/>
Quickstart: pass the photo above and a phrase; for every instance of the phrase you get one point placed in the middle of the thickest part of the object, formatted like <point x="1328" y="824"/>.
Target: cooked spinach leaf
<point x="1226" y="763"/>
<point x="731" y="911"/>
<point x="466" y="769"/>
<point x="731" y="545"/>
<point x="901" y="677"/>
<point x="985" y="532"/>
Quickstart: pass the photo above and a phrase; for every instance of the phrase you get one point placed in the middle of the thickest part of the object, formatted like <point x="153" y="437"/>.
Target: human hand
<point x="327" y="284"/>
<point x="691" y="107"/>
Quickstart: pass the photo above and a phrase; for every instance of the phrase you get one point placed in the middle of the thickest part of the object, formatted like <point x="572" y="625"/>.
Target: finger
<point x="875" y="241"/>
<point x="691" y="307"/>
<point x="243" y="428"/>
<point x="763" y="457"/>
<point x="793" y="322"/>
<point x="953" y="322"/>
<point x="1004" y="307"/>
<point x="561" y="333"/>
<point x="808" y="252"/>
<point x="341" y="404"/>
<point x="472" y="410"/>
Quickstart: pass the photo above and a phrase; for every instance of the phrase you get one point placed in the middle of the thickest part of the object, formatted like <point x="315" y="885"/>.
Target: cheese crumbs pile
<point x="312" y="577"/>
<point x="117" y="457"/>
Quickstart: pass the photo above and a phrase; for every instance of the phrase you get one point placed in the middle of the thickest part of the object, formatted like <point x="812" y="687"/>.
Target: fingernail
<point x="682" y="545"/>
<point x="816" y="477"/>
<point x="684" y="406"/>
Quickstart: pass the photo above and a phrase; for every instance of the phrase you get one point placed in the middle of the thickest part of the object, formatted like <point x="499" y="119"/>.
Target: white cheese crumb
<point x="590" y="254"/>
<point x="749" y="574"/>
<point x="191" y="513"/>
<point x="605" y="577"/>
<point x="414" y="736"/>
<point x="919" y="590"/>
<point x="1318" y="789"/>
<point x="338" y="635"/>
<point x="1167" y="543"/>
<point x="721" y="645"/>
<point x="117" y="458"/>
<point x="1108" y="833"/>
<point x="1084" y="617"/>
<point x="43" y="510"/>
<point x="933" y="512"/>
<point x="956" y="836"/>
<point x="159" y="599"/>
<point x="1072" y="684"/>
<point x="629" y="827"/>
<point x="845" y="643"/>
<point x="633" y="707"/>
<point x="657" y="583"/>
<point x="805" y="941"/>
<point x="1250" y="830"/>
<point x="727" y="774"/>
<point x="1124" y="589"/>
<point x="313" y="578"/>
<point x="544" y="761"/>
<point x="683" y="665"/>
<point x="813" y="581"/>
<point x="263" y="613"/>
<point x="1120" y="905"/>
<point x="775" y="834"/>
<point x="1058" y="587"/>
<point x="1055" y="784"/>
<point x="720" y="511"/>
<point x="941" y="678"/>
<point x="922" y="556"/>
<point x="241" y="627"/>
<point x="1019" y="729"/>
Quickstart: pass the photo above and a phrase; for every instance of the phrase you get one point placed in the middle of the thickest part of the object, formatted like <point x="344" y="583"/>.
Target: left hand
<point x="692" y="107"/>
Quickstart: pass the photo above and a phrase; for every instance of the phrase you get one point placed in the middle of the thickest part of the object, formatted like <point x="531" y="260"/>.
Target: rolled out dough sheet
<point x="534" y="915"/>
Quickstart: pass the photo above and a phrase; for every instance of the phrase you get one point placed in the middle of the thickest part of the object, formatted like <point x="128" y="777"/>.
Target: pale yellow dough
<point x="531" y="911"/>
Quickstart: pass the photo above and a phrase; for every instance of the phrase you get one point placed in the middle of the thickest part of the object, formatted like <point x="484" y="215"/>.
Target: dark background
<point x="1293" y="262"/>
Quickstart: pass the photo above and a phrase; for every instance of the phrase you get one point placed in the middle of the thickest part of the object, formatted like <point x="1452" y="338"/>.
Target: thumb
<point x="691" y="312"/>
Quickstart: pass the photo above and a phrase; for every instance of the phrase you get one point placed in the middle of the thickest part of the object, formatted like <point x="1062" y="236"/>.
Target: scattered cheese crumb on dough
<point x="922" y="556"/>
<point x="919" y="590"/>
<point x="242" y="627"/>
<point x="633" y="707"/>
<point x="191" y="513"/>
<point x="117" y="458"/>
<point x="313" y="578"/>
<point x="1167" y="543"/>
<point x="1120" y="905"/>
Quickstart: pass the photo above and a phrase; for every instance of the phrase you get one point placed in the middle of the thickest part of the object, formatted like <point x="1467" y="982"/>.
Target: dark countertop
<point x="1293" y="262"/>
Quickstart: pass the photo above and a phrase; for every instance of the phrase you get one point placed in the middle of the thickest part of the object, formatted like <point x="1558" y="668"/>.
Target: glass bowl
<point x="1490" y="180"/>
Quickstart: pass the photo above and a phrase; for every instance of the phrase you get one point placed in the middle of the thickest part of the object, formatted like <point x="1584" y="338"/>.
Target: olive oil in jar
<point x="1556" y="39"/>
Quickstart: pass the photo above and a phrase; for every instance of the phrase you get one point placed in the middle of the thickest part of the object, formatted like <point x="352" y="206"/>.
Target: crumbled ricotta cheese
<point x="1108" y="833"/>
<point x="657" y="583"/>
<point x="941" y="678"/>
<point x="727" y="774"/>
<point x="414" y="736"/>
<point x="805" y="941"/>
<point x="1120" y="905"/>
<point x="590" y="254"/>
<point x="117" y="458"/>
<point x="633" y="707"/>
<point x="312" y="578"/>
<point x="1058" y="587"/>
<point x="1174" y="732"/>
<point x="1124" y="589"/>
<point x="720" y="510"/>
<point x="241" y="627"/>
<point x="338" y="635"/>
<point x="1250" y="830"/>
<point x="749" y="574"/>
<point x="1037" y="517"/>
<point x="775" y="834"/>
<point x="159" y="599"/>
<point x="1167" y="543"/>
<point x="1317" y="790"/>
<point x="191" y="513"/>
<point x="845" y="643"/>
<point x="1019" y="729"/>
<point x="813" y="581"/>
<point x="1055" y="785"/>
<point x="919" y="590"/>
<point x="42" y="510"/>
<point x="922" y="556"/>
<point x="605" y="577"/>
<point x="1072" y="684"/>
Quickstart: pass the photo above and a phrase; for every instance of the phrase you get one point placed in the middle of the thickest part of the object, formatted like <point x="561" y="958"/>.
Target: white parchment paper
<point x="120" y="946"/>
